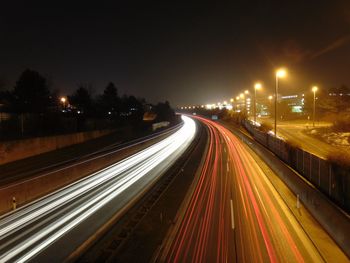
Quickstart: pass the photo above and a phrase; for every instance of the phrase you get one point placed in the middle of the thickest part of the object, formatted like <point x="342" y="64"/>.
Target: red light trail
<point x="234" y="213"/>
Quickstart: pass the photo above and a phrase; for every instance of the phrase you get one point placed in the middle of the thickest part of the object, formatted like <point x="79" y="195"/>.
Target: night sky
<point x="177" y="51"/>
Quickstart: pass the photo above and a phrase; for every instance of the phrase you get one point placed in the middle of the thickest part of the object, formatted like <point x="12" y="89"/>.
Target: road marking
<point x="232" y="216"/>
<point x="228" y="168"/>
<point x="224" y="149"/>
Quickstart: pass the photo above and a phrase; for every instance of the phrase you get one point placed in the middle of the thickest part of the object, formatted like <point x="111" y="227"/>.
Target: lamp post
<point x="257" y="86"/>
<point x="280" y="73"/>
<point x="63" y="100"/>
<point x="270" y="104"/>
<point x="314" y="89"/>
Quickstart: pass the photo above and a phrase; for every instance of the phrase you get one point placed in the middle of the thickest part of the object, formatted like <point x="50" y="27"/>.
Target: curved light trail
<point x="30" y="230"/>
<point x="235" y="214"/>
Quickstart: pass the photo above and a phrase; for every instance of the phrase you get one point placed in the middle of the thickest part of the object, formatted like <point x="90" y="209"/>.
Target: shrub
<point x="341" y="123"/>
<point x="266" y="127"/>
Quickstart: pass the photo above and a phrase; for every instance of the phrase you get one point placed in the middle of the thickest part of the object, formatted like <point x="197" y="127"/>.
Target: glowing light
<point x="314" y="88"/>
<point x="281" y="73"/>
<point x="257" y="86"/>
<point x="231" y="100"/>
<point x="270" y="97"/>
<point x="118" y="177"/>
<point x="246" y="92"/>
<point x="241" y="95"/>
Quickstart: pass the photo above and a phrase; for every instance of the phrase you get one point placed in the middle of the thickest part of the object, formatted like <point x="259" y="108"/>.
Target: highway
<point x="53" y="227"/>
<point x="234" y="213"/>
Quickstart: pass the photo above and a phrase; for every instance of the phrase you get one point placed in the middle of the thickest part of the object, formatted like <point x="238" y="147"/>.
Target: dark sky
<point x="179" y="51"/>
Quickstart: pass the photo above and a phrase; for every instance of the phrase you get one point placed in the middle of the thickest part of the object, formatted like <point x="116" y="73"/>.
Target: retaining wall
<point x="19" y="149"/>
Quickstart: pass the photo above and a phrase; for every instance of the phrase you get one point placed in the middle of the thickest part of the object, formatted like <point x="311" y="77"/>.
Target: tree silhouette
<point x="31" y="93"/>
<point x="81" y="99"/>
<point x="109" y="100"/>
<point x="164" y="111"/>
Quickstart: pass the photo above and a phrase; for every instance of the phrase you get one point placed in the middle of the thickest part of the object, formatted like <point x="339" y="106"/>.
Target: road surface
<point x="234" y="213"/>
<point x="294" y="131"/>
<point x="53" y="227"/>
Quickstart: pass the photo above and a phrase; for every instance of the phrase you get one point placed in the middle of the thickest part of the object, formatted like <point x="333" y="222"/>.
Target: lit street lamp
<point x="280" y="73"/>
<point x="257" y="86"/>
<point x="314" y="89"/>
<point x="63" y="100"/>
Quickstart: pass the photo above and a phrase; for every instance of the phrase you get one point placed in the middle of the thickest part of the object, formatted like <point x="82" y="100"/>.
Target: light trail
<point x="31" y="229"/>
<point x="260" y="229"/>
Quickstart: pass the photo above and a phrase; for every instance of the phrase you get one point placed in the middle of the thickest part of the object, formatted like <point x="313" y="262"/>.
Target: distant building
<point x="294" y="102"/>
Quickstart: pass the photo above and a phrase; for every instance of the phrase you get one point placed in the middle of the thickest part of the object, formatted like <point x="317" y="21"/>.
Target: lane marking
<point x="232" y="216"/>
<point x="224" y="149"/>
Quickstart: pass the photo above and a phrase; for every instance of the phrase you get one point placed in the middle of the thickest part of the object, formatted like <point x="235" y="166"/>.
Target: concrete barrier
<point x="19" y="149"/>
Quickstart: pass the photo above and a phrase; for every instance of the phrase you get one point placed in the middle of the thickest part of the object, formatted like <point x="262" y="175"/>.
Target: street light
<point x="280" y="73"/>
<point x="231" y="99"/>
<point x="63" y="100"/>
<point x="246" y="92"/>
<point x="257" y="86"/>
<point x="314" y="89"/>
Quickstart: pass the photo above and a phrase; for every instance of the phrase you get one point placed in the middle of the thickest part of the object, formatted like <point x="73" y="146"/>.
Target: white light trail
<point x="36" y="218"/>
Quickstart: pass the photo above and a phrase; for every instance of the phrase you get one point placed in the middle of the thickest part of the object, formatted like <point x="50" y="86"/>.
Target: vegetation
<point x="341" y="123"/>
<point x="31" y="108"/>
<point x="266" y="127"/>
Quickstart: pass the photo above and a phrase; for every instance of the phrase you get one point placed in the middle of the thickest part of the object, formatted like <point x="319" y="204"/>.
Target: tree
<point x="81" y="99"/>
<point x="110" y="99"/>
<point x="336" y="100"/>
<point x="164" y="112"/>
<point x="31" y="93"/>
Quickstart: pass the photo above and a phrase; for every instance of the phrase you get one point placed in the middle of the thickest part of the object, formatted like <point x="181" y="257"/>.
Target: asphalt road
<point x="53" y="227"/>
<point x="294" y="132"/>
<point x="308" y="143"/>
<point x="235" y="214"/>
